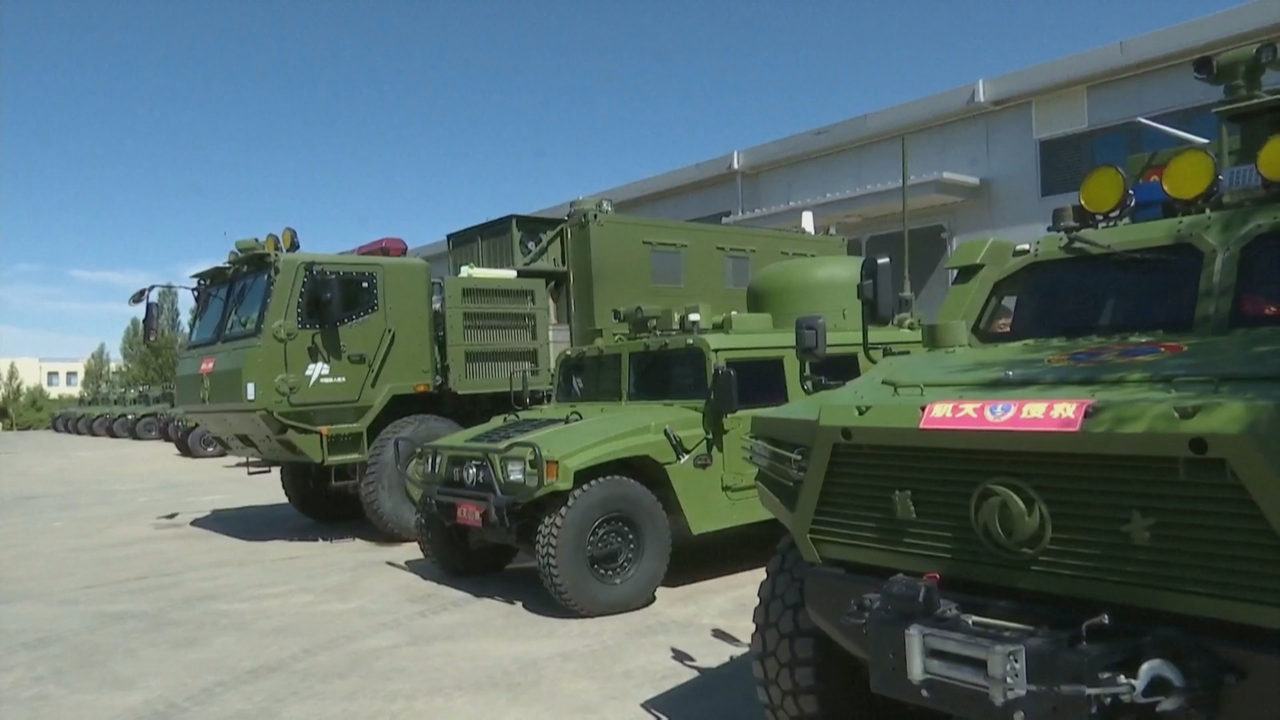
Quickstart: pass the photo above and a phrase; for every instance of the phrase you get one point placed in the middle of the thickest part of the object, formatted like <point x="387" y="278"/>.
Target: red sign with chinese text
<point x="1014" y="415"/>
<point x="206" y="365"/>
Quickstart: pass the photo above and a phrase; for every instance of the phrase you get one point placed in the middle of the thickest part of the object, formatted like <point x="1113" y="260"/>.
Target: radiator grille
<point x="499" y="328"/>
<point x="498" y="364"/>
<point x="498" y="297"/>
<point x="1186" y="525"/>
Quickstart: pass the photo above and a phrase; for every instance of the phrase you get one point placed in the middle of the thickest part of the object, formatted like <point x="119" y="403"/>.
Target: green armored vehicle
<point x="1068" y="506"/>
<point x="320" y="363"/>
<point x="141" y="420"/>
<point x="642" y="437"/>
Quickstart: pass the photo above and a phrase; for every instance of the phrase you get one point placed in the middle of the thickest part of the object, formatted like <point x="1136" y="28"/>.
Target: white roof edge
<point x="1255" y="21"/>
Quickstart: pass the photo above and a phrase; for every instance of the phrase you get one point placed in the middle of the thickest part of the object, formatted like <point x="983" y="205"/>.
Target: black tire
<point x="449" y="547"/>
<point x="382" y="485"/>
<point x="308" y="491"/>
<point x="120" y="428"/>
<point x="146" y="428"/>
<point x="180" y="442"/>
<point x="57" y="424"/>
<point x="801" y="674"/>
<point x="202" y="444"/>
<point x="173" y="432"/>
<point x="83" y="426"/>
<point x="619" y="509"/>
<point x="100" y="426"/>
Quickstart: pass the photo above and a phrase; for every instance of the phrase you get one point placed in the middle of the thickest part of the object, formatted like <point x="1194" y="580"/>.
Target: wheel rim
<point x="208" y="443"/>
<point x="614" y="549"/>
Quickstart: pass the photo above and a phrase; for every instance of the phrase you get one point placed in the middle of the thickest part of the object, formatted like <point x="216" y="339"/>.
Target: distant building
<point x="59" y="376"/>
<point x="991" y="157"/>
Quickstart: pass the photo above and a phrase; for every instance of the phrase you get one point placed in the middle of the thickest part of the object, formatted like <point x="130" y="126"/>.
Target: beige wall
<point x="59" y="377"/>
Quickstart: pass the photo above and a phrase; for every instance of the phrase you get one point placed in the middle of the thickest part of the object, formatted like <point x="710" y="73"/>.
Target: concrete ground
<point x="135" y="583"/>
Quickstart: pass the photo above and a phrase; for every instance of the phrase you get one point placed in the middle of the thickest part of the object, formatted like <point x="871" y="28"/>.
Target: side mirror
<point x="326" y="288"/>
<point x="151" y="323"/>
<point x="138" y="297"/>
<point x="811" y="338"/>
<point x="875" y="289"/>
<point x="724" y="391"/>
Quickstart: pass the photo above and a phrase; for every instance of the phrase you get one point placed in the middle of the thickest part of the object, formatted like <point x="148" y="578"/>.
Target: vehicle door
<point x="329" y="353"/>
<point x="762" y="383"/>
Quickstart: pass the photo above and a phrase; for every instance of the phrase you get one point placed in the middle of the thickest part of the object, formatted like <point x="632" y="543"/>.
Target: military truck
<point x="319" y="363"/>
<point x="1068" y="505"/>
<point x="642" y="436"/>
<point x="141" y="420"/>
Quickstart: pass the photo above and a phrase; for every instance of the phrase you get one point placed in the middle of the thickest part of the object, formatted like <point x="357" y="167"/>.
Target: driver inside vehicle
<point x="1002" y="320"/>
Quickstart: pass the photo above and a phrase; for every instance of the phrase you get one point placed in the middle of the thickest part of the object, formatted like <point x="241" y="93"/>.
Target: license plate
<point x="468" y="514"/>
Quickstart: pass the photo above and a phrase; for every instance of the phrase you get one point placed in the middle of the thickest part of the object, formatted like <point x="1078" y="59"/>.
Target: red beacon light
<point x="386" y="247"/>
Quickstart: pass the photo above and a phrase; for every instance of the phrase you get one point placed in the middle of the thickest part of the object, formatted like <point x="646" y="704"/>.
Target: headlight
<point x="788" y="463"/>
<point x="515" y="471"/>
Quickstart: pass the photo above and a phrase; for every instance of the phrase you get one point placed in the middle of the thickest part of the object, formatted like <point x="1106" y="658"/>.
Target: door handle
<point x="357" y="357"/>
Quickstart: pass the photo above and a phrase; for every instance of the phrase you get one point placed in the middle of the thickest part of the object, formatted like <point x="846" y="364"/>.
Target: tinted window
<point x="668" y="375"/>
<point x="761" y="383"/>
<point x="247" y="298"/>
<point x="209" y="314"/>
<point x="1257" y="301"/>
<point x="837" y="368"/>
<point x="1142" y="291"/>
<point x="357" y="296"/>
<point x="591" y="378"/>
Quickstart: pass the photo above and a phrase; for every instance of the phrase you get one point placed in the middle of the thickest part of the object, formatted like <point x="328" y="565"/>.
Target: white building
<point x="991" y="157"/>
<point x="60" y="377"/>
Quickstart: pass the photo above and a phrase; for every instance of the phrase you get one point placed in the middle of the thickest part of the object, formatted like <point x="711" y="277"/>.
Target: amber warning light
<point x="386" y="247"/>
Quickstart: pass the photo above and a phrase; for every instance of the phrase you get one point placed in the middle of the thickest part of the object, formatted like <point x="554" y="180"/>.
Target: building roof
<point x="1255" y="21"/>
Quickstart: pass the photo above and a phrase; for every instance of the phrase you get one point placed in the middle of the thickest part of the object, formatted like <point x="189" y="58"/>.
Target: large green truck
<point x="641" y="438"/>
<point x="1068" y="505"/>
<point x="321" y="363"/>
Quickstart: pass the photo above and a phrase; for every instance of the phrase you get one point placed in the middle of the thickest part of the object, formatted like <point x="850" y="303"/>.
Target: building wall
<point x="59" y="377"/>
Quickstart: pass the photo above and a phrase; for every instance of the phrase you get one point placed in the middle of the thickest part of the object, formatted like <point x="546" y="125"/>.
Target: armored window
<point x="761" y="383"/>
<point x="837" y="368"/>
<point x="210" y="302"/>
<point x="1257" y="297"/>
<point x="357" y="297"/>
<point x="737" y="271"/>
<point x="1143" y="291"/>
<point x="51" y="379"/>
<point x="245" y="304"/>
<point x="667" y="375"/>
<point x="666" y="267"/>
<point x="73" y="379"/>
<point x="589" y="378"/>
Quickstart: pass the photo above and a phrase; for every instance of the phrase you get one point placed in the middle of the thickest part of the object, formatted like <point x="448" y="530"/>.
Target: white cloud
<point x="23" y="342"/>
<point x="27" y="267"/>
<point x="132" y="279"/>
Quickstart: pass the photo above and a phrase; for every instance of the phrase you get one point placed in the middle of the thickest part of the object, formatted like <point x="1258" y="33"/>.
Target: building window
<point x="51" y="379"/>
<point x="73" y="379"/>
<point x="666" y="268"/>
<point x="1065" y="159"/>
<point x="737" y="271"/>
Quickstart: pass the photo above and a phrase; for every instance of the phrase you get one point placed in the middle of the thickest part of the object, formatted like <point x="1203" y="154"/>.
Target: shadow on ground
<point x="280" y="523"/>
<point x="692" y="561"/>
<point x="723" y="691"/>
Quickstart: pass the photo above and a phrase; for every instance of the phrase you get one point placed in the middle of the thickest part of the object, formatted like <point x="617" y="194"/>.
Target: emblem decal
<point x="206" y="365"/>
<point x="1116" y="353"/>
<point x="1139" y="528"/>
<point x="320" y="371"/>
<point x="1015" y="415"/>
<point x="1010" y="518"/>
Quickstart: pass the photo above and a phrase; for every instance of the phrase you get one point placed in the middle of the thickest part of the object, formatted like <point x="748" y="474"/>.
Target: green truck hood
<point x="588" y="428"/>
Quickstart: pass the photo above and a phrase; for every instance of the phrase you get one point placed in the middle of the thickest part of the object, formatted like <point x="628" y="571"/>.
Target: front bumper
<point x="923" y="650"/>
<point x="444" y="487"/>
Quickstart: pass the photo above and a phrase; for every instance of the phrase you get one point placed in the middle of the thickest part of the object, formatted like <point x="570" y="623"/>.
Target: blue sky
<point x="139" y="138"/>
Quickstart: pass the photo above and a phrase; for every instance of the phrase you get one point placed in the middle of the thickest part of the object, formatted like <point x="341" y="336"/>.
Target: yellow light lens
<point x="1190" y="174"/>
<point x="1268" y="162"/>
<point x="1104" y="190"/>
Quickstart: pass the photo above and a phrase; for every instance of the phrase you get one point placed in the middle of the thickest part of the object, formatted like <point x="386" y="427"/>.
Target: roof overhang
<point x="926" y="191"/>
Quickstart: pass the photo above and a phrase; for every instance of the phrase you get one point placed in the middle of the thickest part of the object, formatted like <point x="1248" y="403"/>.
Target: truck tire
<point x="82" y="426"/>
<point x="307" y="491"/>
<point x="172" y="432"/>
<point x="801" y="674"/>
<point x="147" y="428"/>
<point x="180" y="442"/>
<point x="449" y="548"/>
<point x="120" y="428"/>
<point x="606" y="549"/>
<point x="100" y="427"/>
<point x="382" y="486"/>
<point x="201" y="444"/>
<point x="58" y="427"/>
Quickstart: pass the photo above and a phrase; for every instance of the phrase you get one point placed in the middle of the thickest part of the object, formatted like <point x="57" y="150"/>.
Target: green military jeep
<point x="643" y="437"/>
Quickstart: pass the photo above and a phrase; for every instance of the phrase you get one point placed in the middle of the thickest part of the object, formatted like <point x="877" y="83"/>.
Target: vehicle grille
<point x="498" y="364"/>
<point x="514" y="429"/>
<point x="1208" y="537"/>
<point x="498" y="328"/>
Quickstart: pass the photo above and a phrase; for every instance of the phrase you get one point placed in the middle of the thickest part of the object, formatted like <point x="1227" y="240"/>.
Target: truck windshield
<point x="668" y="375"/>
<point x="233" y="309"/>
<point x="593" y="378"/>
<point x="1143" y="291"/>
<point x="1257" y="301"/>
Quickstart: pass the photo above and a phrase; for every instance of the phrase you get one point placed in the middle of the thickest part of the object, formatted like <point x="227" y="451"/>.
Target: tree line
<point x="154" y="365"/>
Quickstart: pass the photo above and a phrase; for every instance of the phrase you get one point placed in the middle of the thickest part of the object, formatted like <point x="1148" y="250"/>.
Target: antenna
<point x="1172" y="132"/>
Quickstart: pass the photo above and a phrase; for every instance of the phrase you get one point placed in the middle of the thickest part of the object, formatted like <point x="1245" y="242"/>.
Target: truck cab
<point x="641" y="440"/>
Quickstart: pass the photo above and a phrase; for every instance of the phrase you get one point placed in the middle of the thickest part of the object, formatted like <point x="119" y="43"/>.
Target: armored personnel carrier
<point x="1068" y="505"/>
